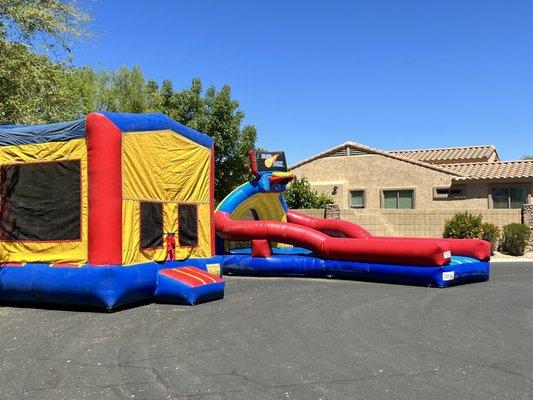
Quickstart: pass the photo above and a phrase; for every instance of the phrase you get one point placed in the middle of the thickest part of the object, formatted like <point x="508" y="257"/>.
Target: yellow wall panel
<point x="53" y="251"/>
<point x="164" y="167"/>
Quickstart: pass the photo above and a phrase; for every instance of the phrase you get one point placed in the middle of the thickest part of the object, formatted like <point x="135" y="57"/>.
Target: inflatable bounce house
<point x="117" y="208"/>
<point x="283" y="242"/>
<point x="107" y="210"/>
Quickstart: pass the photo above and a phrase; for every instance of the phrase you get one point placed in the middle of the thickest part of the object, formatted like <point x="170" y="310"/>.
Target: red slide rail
<point x="408" y="251"/>
<point x="476" y="248"/>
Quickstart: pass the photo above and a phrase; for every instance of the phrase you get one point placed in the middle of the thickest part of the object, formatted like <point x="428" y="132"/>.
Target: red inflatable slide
<point x="344" y="240"/>
<point x="476" y="248"/>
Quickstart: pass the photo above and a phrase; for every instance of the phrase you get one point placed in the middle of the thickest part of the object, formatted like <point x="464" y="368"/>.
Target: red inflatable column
<point x="104" y="159"/>
<point x="212" y="199"/>
<point x="261" y="248"/>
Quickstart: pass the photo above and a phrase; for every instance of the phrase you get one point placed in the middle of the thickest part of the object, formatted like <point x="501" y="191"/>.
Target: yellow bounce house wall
<point x="164" y="167"/>
<point x="49" y="251"/>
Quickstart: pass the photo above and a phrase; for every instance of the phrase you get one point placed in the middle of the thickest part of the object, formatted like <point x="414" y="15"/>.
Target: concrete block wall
<point x="423" y="223"/>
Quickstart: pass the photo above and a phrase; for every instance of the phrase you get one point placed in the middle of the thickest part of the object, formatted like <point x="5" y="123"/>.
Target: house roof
<point x="493" y="170"/>
<point x="372" y="150"/>
<point x="461" y="171"/>
<point x="451" y="155"/>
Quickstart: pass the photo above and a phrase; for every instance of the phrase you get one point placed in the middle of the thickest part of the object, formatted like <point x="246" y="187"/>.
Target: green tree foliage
<point x="300" y="194"/>
<point x="33" y="88"/>
<point x="527" y="157"/>
<point x="36" y="89"/>
<point x="44" y="23"/>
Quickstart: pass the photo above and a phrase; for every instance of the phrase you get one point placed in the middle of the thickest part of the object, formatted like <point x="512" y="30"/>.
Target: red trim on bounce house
<point x="212" y="200"/>
<point x="104" y="160"/>
<point x="253" y="162"/>
<point x="208" y="277"/>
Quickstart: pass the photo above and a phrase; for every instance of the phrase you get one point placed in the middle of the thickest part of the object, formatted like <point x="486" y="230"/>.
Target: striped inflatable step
<point x="188" y="285"/>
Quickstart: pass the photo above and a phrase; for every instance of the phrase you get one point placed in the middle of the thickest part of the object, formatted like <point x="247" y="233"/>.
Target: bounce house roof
<point x="13" y="135"/>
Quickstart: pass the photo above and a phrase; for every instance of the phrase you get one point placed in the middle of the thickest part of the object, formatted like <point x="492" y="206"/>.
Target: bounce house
<point x="107" y="210"/>
<point x="283" y="242"/>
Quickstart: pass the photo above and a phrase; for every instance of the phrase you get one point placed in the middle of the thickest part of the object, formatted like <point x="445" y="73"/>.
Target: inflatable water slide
<point x="283" y="242"/>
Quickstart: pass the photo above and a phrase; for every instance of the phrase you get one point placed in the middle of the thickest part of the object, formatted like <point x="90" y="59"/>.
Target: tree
<point x="218" y="115"/>
<point x="32" y="88"/>
<point x="527" y="157"/>
<point x="300" y="194"/>
<point x="48" y="24"/>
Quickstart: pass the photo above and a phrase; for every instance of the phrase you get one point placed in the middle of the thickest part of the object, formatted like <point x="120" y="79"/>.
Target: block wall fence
<point x="425" y="223"/>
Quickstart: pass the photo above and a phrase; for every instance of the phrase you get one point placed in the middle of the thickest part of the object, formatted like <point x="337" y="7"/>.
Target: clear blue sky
<point x="313" y="74"/>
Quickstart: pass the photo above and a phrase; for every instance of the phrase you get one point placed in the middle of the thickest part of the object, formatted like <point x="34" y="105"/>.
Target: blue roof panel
<point x="130" y="122"/>
<point x="14" y="135"/>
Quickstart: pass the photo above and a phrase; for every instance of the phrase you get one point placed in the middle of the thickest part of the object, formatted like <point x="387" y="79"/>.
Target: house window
<point x="357" y="198"/>
<point x="40" y="201"/>
<point x="188" y="224"/>
<point x="509" y="197"/>
<point x="453" y="192"/>
<point x="398" y="199"/>
<point x="151" y="225"/>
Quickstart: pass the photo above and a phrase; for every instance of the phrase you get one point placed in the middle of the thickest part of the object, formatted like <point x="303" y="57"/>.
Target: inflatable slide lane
<point x="285" y="242"/>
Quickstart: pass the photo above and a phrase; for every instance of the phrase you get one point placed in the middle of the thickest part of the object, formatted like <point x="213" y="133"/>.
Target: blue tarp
<point x="13" y="135"/>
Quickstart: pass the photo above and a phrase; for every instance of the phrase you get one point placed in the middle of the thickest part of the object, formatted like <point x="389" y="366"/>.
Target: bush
<point x="300" y="194"/>
<point x="463" y="226"/>
<point x="514" y="239"/>
<point x="490" y="233"/>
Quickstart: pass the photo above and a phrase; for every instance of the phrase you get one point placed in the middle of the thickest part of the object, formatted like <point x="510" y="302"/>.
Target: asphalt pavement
<point x="284" y="338"/>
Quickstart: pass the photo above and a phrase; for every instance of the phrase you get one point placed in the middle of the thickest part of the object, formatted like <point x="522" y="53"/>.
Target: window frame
<point x="162" y="245"/>
<point x="508" y="187"/>
<point x="350" y="198"/>
<point x="80" y="236"/>
<point x="195" y="205"/>
<point x="382" y="198"/>
<point x="437" y="196"/>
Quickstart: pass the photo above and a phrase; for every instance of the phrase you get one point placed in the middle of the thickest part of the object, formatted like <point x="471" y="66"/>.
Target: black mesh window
<point x="151" y="225"/>
<point x="40" y="201"/>
<point x="188" y="224"/>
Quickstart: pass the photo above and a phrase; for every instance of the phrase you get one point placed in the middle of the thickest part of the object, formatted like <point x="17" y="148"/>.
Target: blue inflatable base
<point x="106" y="287"/>
<point x="461" y="270"/>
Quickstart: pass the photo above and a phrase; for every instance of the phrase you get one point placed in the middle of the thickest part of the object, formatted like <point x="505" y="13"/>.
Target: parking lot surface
<point x="284" y="338"/>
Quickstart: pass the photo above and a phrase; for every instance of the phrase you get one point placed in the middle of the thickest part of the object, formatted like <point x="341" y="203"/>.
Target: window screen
<point x="151" y="225"/>
<point x="398" y="199"/>
<point x="509" y="197"/>
<point x="40" y="201"/>
<point x="357" y="198"/>
<point x="454" y="192"/>
<point x="188" y="224"/>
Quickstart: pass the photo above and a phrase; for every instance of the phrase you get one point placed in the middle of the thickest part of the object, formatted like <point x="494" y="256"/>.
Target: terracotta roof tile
<point x="461" y="171"/>
<point x="494" y="170"/>
<point x="373" y="150"/>
<point x="451" y="154"/>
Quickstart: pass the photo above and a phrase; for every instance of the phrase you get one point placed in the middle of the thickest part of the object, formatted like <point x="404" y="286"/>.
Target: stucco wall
<point x="373" y="173"/>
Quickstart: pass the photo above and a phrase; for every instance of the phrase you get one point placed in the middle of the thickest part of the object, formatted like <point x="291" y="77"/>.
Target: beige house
<point x="362" y="177"/>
